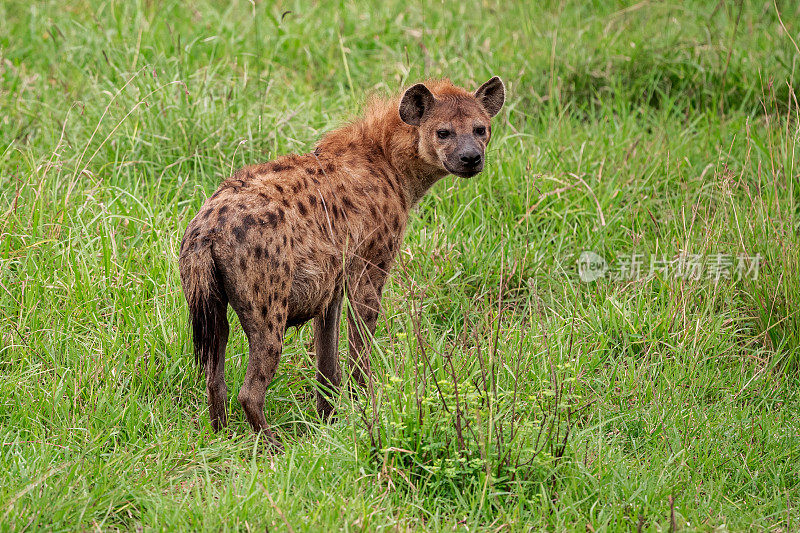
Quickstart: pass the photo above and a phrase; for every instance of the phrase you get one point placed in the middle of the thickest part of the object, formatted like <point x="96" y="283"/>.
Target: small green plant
<point x="458" y="425"/>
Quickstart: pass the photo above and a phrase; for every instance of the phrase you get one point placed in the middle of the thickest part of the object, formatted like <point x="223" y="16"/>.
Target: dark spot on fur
<point x="264" y="311"/>
<point x="242" y="263"/>
<point x="248" y="222"/>
<point x="272" y="219"/>
<point x="285" y="202"/>
<point x="258" y="251"/>
<point x="223" y="209"/>
<point x="310" y="171"/>
<point x="240" y="232"/>
<point x="296" y="188"/>
<point x="286" y="268"/>
<point x="279" y="188"/>
<point x="312" y="200"/>
<point x="277" y="167"/>
<point x="330" y="168"/>
<point x="348" y="203"/>
<point x="281" y="215"/>
<point x="264" y="197"/>
<point x="302" y="208"/>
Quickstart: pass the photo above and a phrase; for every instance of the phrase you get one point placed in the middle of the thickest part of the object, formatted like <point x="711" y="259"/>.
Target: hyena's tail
<point x="205" y="295"/>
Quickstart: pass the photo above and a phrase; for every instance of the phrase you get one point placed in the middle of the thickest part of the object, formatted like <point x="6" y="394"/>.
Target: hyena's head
<point x="454" y="125"/>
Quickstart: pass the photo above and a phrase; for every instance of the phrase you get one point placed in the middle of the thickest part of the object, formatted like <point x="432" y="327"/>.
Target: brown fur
<point x="281" y="241"/>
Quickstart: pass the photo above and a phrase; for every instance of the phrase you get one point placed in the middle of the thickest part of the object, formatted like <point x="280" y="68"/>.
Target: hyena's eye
<point x="480" y="131"/>
<point x="443" y="134"/>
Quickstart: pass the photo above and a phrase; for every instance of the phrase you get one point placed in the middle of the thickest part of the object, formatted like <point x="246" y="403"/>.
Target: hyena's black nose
<point x="471" y="159"/>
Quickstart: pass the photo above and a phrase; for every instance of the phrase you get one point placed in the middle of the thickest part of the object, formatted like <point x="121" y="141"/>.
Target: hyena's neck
<point x="399" y="144"/>
<point x="386" y="142"/>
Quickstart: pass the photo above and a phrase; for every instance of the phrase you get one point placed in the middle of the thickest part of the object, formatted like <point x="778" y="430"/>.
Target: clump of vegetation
<point x="459" y="425"/>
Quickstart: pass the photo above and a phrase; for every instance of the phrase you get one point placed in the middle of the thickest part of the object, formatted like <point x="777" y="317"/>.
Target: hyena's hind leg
<point x="326" y="343"/>
<point x="263" y="319"/>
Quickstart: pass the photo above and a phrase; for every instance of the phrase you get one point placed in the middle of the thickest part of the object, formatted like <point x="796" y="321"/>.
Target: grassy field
<point x="508" y="393"/>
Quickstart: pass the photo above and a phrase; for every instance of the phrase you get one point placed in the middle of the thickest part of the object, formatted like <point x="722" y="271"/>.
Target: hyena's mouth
<point x="463" y="173"/>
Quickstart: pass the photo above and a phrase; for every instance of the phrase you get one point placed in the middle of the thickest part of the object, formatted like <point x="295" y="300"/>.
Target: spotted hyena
<point x="281" y="242"/>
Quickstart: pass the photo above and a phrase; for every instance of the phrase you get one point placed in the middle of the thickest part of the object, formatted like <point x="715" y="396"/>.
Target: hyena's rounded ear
<point x="415" y="103"/>
<point x="492" y="95"/>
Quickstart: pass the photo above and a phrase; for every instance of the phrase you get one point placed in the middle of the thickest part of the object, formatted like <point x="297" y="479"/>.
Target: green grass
<point x="508" y="394"/>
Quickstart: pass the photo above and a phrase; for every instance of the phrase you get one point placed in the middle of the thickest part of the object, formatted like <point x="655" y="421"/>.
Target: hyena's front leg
<point x="364" y="294"/>
<point x="326" y="342"/>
